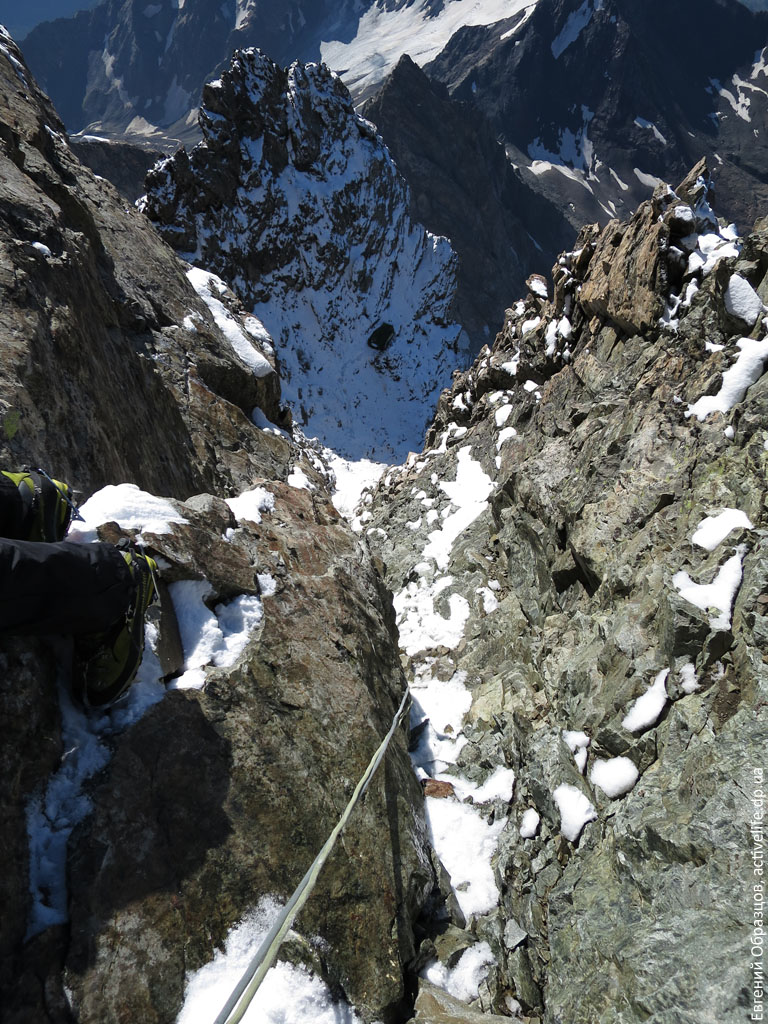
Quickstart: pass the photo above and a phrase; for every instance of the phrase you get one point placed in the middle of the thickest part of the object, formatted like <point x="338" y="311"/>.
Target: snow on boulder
<point x="529" y="823"/>
<point x="575" y="810"/>
<point x="747" y="369"/>
<point x="647" y="709"/>
<point x="577" y="742"/>
<point x="615" y="776"/>
<point x="712" y="530"/>
<point x="742" y="301"/>
<point x="719" y="594"/>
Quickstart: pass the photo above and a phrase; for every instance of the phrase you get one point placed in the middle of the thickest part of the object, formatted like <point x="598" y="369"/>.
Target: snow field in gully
<point x="461" y="834"/>
<point x="288" y="994"/>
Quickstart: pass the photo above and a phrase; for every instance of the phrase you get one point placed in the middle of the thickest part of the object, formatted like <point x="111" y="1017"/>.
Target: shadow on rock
<point x="157" y="814"/>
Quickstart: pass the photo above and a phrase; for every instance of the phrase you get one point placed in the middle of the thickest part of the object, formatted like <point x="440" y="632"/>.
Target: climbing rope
<point x="235" y="1007"/>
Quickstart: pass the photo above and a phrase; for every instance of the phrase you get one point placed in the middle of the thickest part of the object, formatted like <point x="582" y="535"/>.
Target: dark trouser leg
<point x="61" y="588"/>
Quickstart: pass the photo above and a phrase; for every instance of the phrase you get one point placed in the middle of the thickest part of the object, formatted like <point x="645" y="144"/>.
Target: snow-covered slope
<point x="294" y="201"/>
<point x="420" y="28"/>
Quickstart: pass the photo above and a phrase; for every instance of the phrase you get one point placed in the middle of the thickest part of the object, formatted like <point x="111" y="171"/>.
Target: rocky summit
<point x="568" y="575"/>
<point x="293" y="199"/>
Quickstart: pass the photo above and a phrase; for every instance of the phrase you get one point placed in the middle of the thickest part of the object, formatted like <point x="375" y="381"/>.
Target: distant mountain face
<point x="19" y="19"/>
<point x="294" y="200"/>
<point x="598" y="100"/>
<point x="525" y="121"/>
<point x="131" y="65"/>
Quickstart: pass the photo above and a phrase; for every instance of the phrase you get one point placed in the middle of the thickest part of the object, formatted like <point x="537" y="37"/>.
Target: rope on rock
<point x="235" y="1007"/>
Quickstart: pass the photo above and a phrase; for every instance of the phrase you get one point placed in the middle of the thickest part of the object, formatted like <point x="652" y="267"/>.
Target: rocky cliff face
<point x="134" y="841"/>
<point x="294" y="200"/>
<point x="579" y="561"/>
<point x="88" y="327"/>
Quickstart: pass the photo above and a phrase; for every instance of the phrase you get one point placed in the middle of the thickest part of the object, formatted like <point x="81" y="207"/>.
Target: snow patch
<point x="463" y="980"/>
<point x="742" y="301"/>
<point x="469" y="494"/>
<point x="577" y="743"/>
<point x="250" y="504"/>
<point x="129" y="507"/>
<point x="575" y="810"/>
<point x="737" y="380"/>
<point x="421" y="625"/>
<point x="649" y="180"/>
<point x="642" y="123"/>
<point x="288" y="994"/>
<point x="465" y="842"/>
<point x="384" y="35"/>
<point x="209" y="287"/>
<point x="615" y="777"/>
<point x="688" y="680"/>
<point x="647" y="709"/>
<point x="713" y="530"/>
<point x="719" y="594"/>
<point x="574" y="25"/>
<point x="352" y="479"/>
<point x="437" y="712"/>
<point x="529" y="823"/>
<point x="210" y="637"/>
<point x="298" y="478"/>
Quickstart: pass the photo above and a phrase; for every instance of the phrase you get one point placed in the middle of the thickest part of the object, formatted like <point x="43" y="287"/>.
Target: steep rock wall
<point x="135" y="840"/>
<point x="542" y="551"/>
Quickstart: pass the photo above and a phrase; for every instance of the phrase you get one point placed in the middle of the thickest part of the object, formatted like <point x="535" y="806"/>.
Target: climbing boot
<point x="37" y="507"/>
<point x="106" y="663"/>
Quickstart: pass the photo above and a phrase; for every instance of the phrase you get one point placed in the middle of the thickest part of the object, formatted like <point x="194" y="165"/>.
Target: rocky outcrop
<point x="580" y="550"/>
<point x="125" y="164"/>
<point x="216" y="799"/>
<point x="295" y="201"/>
<point x="135" y="840"/>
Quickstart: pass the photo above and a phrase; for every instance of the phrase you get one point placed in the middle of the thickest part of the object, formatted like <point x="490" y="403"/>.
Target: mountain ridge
<point x="569" y="576"/>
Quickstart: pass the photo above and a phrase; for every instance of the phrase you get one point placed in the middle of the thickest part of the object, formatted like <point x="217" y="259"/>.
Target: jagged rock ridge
<point x="293" y="199"/>
<point x="604" y="610"/>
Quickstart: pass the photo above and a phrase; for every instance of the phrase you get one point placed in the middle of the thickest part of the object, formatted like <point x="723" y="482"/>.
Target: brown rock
<point x="627" y="277"/>
<point x="436" y="788"/>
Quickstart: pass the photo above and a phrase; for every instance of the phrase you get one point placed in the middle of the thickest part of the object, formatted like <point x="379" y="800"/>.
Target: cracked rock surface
<point x="593" y="476"/>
